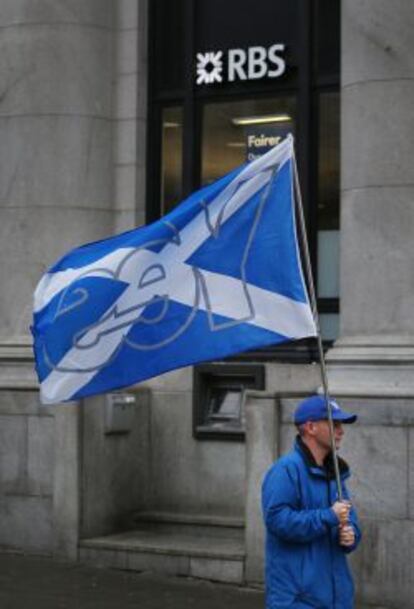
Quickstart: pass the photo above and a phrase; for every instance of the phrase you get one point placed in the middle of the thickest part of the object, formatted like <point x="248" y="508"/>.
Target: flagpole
<point x="312" y="294"/>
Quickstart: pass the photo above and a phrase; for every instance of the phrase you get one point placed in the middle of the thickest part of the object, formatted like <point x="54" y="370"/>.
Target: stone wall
<point x="114" y="466"/>
<point x="188" y="475"/>
<point x="26" y="477"/>
<point x="129" y="93"/>
<point x="55" y="148"/>
<point x="380" y="450"/>
<point x="72" y="166"/>
<point x="39" y="483"/>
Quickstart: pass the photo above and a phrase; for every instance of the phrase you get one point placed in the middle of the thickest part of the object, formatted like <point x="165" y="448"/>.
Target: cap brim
<point x="344" y="417"/>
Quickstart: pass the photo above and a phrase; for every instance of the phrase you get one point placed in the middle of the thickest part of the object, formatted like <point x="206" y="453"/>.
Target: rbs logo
<point x="251" y="64"/>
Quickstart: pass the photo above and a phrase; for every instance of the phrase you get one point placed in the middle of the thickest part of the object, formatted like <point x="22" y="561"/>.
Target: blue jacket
<point x="305" y="565"/>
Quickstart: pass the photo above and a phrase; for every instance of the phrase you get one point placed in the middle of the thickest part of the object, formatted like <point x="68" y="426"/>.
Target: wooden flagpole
<point x="312" y="294"/>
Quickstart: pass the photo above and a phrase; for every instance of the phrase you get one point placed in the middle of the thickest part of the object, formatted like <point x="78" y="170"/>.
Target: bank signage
<point x="253" y="63"/>
<point x="260" y="139"/>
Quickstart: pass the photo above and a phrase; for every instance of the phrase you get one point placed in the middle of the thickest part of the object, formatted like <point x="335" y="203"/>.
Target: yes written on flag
<point x="219" y="274"/>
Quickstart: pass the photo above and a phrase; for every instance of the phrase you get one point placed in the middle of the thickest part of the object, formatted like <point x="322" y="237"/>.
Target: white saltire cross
<point x="166" y="276"/>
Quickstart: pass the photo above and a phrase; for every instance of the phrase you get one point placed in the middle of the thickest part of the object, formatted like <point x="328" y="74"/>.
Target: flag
<point x="218" y="275"/>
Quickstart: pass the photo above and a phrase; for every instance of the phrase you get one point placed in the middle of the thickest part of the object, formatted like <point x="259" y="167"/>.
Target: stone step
<point x="169" y="553"/>
<point x="189" y="524"/>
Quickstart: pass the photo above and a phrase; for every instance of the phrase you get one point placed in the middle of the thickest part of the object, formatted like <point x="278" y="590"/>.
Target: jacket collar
<point x="327" y="470"/>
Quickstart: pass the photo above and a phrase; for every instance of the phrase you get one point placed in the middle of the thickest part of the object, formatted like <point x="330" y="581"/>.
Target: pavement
<point x="28" y="582"/>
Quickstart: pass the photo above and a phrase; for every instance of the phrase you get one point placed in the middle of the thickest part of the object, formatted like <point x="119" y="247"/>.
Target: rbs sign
<point x="251" y="64"/>
<point x="257" y="62"/>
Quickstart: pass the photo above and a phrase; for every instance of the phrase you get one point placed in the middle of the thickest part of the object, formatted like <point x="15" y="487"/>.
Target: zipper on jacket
<point x="331" y="548"/>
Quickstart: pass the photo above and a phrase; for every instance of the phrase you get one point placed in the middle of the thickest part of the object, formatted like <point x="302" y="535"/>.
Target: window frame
<point x="222" y="375"/>
<point x="307" y="89"/>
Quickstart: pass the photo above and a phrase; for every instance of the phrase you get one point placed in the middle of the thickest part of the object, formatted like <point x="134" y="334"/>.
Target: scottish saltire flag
<point x="218" y="275"/>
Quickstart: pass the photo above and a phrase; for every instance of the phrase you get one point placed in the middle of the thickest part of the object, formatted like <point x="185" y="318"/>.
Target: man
<point x="308" y="531"/>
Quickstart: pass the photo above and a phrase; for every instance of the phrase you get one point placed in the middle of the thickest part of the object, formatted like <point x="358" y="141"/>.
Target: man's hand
<point x="342" y="509"/>
<point x="346" y="535"/>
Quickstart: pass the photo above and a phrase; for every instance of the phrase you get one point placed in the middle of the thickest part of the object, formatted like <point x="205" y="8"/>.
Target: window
<point x="233" y="133"/>
<point x="200" y="138"/>
<point x="171" y="158"/>
<point x="328" y="214"/>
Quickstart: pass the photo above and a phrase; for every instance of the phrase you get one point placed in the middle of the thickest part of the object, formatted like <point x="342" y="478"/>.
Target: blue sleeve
<point x="283" y="513"/>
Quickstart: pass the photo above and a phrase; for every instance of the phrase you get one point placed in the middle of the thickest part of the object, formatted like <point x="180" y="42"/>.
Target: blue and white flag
<point x="218" y="275"/>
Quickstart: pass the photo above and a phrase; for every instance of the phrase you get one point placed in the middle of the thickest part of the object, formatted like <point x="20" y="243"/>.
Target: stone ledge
<point x="192" y="556"/>
<point x="370" y="349"/>
<point x="372" y="366"/>
<point x="17" y="370"/>
<point x="190" y="519"/>
<point x="169" y="544"/>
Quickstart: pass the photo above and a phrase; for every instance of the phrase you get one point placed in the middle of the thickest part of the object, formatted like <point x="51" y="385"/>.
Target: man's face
<point x="319" y="430"/>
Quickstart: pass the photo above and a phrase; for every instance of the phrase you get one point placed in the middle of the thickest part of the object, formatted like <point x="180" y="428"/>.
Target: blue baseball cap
<point x="315" y="408"/>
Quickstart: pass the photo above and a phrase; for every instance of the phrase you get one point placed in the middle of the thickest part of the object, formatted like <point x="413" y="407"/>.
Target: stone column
<point x="376" y="346"/>
<point x="262" y="448"/>
<point x="55" y="193"/>
<point x="55" y="144"/>
<point x="129" y="112"/>
<point x="371" y="367"/>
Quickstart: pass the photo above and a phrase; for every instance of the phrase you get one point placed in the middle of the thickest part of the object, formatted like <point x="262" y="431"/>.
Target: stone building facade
<point x="74" y="79"/>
